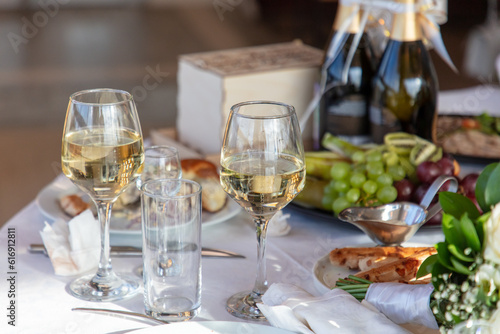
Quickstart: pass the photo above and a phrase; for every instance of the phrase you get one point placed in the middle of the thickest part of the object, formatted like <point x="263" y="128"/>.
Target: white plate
<point x="212" y="327"/>
<point x="48" y="203"/>
<point x="326" y="274"/>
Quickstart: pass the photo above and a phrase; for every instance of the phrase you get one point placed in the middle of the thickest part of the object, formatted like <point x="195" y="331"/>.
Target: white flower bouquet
<point x="465" y="272"/>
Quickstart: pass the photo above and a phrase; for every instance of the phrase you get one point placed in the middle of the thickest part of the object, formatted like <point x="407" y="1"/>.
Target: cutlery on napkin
<point x="290" y="307"/>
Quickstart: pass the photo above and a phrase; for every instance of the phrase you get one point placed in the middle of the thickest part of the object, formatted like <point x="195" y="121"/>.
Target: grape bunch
<point x="426" y="172"/>
<point x="367" y="181"/>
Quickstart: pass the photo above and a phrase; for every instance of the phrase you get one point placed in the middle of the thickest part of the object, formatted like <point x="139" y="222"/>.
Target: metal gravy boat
<point x="394" y="223"/>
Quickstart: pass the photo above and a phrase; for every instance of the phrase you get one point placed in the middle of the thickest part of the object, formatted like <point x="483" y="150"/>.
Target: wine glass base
<point x="244" y="305"/>
<point x="121" y="287"/>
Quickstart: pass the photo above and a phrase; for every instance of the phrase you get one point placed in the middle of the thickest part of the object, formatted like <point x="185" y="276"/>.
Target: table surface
<point x="43" y="304"/>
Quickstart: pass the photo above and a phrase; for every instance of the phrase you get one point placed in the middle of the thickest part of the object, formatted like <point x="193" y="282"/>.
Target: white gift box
<point x="210" y="83"/>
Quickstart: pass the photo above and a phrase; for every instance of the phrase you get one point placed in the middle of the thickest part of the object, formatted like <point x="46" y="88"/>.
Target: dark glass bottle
<point x="404" y="96"/>
<point x="344" y="106"/>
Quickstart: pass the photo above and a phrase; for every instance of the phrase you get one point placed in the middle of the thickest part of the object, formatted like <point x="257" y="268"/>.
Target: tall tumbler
<point x="171" y="248"/>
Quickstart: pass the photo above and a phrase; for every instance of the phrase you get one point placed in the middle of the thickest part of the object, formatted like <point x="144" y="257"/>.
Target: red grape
<point x="447" y="165"/>
<point x="405" y="190"/>
<point x="445" y="186"/>
<point x="436" y="220"/>
<point x="419" y="192"/>
<point x="428" y="171"/>
<point x="468" y="184"/>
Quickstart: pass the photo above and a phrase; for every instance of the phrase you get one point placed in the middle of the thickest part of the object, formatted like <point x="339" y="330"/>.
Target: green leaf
<point x="456" y="205"/>
<point x="459" y="254"/>
<point x="480" y="222"/>
<point x="427" y="265"/>
<point x="459" y="267"/>
<point x="482" y="183"/>
<point x="492" y="190"/>
<point x="444" y="255"/>
<point x="452" y="232"/>
<point x="469" y="231"/>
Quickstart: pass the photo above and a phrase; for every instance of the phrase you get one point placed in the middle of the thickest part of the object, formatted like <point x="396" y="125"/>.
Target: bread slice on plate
<point x="213" y="197"/>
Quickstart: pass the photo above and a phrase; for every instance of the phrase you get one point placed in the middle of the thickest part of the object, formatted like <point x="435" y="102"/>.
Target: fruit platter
<point x="400" y="169"/>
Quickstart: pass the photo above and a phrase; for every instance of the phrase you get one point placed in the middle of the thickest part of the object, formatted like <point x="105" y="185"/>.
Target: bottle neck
<point x="344" y="13"/>
<point x="405" y="27"/>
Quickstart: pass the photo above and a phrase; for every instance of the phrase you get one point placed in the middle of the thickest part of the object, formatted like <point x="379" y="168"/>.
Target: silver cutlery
<point x="129" y="251"/>
<point x="121" y="314"/>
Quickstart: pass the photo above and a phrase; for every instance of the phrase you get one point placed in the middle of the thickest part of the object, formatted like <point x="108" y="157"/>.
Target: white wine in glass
<point x="102" y="153"/>
<point x="262" y="169"/>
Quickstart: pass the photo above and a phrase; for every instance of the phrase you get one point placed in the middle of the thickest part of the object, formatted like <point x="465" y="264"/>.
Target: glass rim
<point x="127" y="95"/>
<point x="174" y="151"/>
<point x="151" y="194"/>
<point x="290" y="108"/>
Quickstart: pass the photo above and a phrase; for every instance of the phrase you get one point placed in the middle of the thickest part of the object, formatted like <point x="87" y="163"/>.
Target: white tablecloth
<point x="43" y="304"/>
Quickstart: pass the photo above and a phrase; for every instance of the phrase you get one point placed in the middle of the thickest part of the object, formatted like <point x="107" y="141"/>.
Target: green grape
<point x="340" y="204"/>
<point x="329" y="189"/>
<point x="358" y="157"/>
<point x="391" y="158"/>
<point x="372" y="156"/>
<point x="327" y="201"/>
<point x="342" y="186"/>
<point x="357" y="179"/>
<point x="359" y="168"/>
<point x="397" y="172"/>
<point x="384" y="179"/>
<point x="374" y="169"/>
<point x="353" y="195"/>
<point x="370" y="187"/>
<point x="387" y="194"/>
<point x="340" y="170"/>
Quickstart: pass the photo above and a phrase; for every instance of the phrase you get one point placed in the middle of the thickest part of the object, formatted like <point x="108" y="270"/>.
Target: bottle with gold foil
<point x="405" y="86"/>
<point x="343" y="108"/>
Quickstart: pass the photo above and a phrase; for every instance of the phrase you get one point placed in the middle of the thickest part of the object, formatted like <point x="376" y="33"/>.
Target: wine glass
<point x="262" y="169"/>
<point x="102" y="153"/>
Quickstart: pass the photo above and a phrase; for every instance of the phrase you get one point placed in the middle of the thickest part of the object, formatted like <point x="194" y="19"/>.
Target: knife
<point x="129" y="251"/>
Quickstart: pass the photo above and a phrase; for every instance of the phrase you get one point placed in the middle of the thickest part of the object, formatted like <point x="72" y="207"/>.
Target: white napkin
<point x="74" y="246"/>
<point x="290" y="307"/>
<point x="278" y="225"/>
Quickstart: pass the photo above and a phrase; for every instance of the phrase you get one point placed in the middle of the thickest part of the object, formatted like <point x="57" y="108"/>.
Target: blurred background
<point x="52" y="48"/>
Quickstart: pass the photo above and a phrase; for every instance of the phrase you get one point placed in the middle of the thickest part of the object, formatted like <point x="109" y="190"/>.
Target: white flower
<point x="492" y="236"/>
<point x="495" y="319"/>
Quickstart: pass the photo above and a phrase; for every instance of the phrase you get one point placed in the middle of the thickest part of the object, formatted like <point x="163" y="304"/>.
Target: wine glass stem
<point x="260" y="286"/>
<point x="104" y="215"/>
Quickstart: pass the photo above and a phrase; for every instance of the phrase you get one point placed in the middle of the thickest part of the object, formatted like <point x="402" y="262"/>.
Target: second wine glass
<point x="262" y="169"/>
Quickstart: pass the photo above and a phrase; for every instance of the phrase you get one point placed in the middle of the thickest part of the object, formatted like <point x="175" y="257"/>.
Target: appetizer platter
<point x="376" y="264"/>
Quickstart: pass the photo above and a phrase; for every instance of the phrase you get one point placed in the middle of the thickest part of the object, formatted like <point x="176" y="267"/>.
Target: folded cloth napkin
<point x="278" y="225"/>
<point x="73" y="247"/>
<point x="290" y="307"/>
